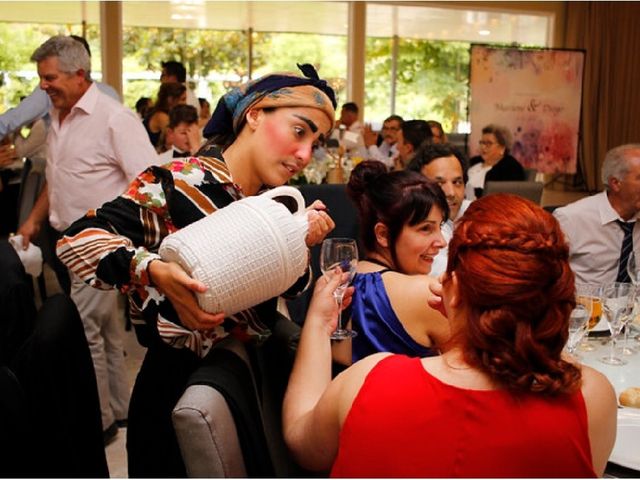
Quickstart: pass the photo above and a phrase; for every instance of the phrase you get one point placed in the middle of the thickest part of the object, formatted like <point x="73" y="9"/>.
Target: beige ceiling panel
<point x="456" y="22"/>
<point x="50" y="12"/>
<point x="462" y="24"/>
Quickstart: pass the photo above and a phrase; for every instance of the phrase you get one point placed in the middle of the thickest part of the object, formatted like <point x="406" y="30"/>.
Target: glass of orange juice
<point x="589" y="295"/>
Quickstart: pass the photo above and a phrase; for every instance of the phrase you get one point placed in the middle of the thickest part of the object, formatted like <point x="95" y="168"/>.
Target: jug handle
<point x="287" y="191"/>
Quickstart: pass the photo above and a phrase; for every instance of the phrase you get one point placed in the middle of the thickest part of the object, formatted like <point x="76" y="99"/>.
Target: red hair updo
<point x="512" y="265"/>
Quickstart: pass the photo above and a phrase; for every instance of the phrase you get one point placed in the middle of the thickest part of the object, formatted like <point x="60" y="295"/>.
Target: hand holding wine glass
<point x="340" y="253"/>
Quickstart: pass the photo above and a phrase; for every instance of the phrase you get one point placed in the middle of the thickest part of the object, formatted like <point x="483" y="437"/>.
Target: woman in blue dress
<point x="400" y="217"/>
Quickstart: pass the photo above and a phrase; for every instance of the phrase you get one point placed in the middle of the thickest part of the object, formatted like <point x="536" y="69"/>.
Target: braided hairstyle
<point x="395" y="199"/>
<point x="512" y="265"/>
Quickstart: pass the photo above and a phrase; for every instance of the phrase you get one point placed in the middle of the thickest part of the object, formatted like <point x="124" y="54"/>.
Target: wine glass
<point x="633" y="268"/>
<point x="617" y="305"/>
<point x="578" y="322"/>
<point x="588" y="295"/>
<point x="635" y="316"/>
<point x="340" y="253"/>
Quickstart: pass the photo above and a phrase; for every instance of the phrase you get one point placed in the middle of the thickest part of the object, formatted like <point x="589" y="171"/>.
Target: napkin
<point x="31" y="258"/>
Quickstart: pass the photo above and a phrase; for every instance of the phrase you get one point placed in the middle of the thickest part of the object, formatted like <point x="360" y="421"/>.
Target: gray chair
<point x="527" y="189"/>
<point x="206" y="431"/>
<point x="212" y="441"/>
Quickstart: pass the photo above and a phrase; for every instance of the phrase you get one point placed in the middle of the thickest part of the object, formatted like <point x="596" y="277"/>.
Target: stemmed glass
<point x="588" y="295"/>
<point x="617" y="304"/>
<point x="340" y="253"/>
<point x="578" y="321"/>
<point x="633" y="268"/>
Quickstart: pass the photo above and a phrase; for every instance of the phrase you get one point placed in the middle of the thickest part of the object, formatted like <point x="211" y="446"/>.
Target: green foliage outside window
<point x="432" y="76"/>
<point x="431" y="83"/>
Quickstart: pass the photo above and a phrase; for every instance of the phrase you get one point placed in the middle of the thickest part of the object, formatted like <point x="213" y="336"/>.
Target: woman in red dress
<point x="501" y="401"/>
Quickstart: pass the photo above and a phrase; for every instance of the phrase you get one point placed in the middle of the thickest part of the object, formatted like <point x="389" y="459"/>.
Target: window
<point x="18" y="74"/>
<point x="428" y="48"/>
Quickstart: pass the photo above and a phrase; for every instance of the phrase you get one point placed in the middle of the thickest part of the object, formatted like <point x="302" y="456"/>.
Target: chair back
<point x="16" y="427"/>
<point x="16" y="303"/>
<point x="206" y="430"/>
<point x="525" y="189"/>
<point x="530" y="174"/>
<point x="345" y="216"/>
<point x="460" y="141"/>
<point x="55" y="369"/>
<point x="228" y="420"/>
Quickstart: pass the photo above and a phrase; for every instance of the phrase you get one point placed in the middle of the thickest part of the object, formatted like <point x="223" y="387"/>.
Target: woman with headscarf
<point x="269" y="127"/>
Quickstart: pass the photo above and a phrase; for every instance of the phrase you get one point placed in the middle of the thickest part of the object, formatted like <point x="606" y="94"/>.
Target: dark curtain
<point x="609" y="33"/>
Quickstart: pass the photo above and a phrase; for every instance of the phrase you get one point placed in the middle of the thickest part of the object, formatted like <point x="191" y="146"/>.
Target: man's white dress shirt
<point x="594" y="237"/>
<point x="440" y="261"/>
<point x="35" y="106"/>
<point x="99" y="148"/>
<point x="384" y="153"/>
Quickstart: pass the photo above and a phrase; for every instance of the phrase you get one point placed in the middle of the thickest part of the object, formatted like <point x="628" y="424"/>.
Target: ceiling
<point x="452" y="21"/>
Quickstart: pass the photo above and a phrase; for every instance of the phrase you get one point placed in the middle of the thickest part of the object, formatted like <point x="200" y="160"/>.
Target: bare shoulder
<point x="408" y="286"/>
<point x="349" y="382"/>
<point x="602" y="411"/>
<point x="596" y="386"/>
<point x="409" y="296"/>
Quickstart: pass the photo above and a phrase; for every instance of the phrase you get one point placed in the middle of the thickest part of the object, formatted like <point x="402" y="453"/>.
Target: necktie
<point x="625" y="250"/>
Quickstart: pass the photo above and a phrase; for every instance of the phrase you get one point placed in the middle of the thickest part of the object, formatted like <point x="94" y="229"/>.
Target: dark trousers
<point x="152" y="446"/>
<point x="47" y="240"/>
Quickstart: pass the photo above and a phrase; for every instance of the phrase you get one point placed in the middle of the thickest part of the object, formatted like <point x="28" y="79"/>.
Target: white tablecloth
<point x="627" y="448"/>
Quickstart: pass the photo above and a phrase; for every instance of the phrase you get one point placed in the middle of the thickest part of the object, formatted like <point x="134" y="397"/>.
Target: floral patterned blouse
<point x="113" y="246"/>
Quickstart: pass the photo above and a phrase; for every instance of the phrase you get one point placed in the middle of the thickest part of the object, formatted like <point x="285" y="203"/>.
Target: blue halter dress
<point x="378" y="327"/>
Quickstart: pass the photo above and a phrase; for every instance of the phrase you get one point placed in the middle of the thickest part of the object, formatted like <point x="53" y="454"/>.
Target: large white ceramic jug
<point x="248" y="252"/>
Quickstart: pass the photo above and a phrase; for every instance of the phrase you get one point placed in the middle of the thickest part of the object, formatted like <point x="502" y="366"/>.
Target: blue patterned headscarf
<point x="274" y="90"/>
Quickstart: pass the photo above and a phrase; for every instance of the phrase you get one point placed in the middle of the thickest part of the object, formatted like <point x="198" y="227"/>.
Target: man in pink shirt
<point x="96" y="147"/>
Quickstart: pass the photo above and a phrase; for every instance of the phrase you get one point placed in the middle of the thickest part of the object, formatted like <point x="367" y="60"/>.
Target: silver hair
<point x="502" y="134"/>
<point x="615" y="163"/>
<point x="72" y="56"/>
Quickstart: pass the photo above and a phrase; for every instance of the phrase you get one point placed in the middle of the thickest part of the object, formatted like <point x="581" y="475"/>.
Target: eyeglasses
<point x="486" y="143"/>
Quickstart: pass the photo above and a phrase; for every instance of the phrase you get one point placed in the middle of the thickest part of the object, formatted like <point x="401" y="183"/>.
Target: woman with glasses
<point x="494" y="162"/>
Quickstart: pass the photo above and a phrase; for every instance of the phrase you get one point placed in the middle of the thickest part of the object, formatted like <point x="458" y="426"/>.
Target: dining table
<point x="626" y="452"/>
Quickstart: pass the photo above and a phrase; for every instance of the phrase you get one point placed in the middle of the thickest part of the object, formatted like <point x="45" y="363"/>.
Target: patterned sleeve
<point x="113" y="245"/>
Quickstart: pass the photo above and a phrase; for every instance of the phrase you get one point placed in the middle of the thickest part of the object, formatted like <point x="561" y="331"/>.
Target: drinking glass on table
<point x="633" y="268"/>
<point x="578" y="321"/>
<point x="340" y="253"/>
<point x="588" y="295"/>
<point x="617" y="305"/>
